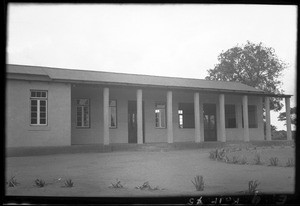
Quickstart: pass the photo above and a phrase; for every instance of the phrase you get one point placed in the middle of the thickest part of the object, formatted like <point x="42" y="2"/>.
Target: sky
<point x="175" y="40"/>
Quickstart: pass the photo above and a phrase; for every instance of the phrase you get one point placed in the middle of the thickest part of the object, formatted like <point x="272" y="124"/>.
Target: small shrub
<point x="69" y="183"/>
<point x="212" y="154"/>
<point x="273" y="161"/>
<point x="146" y="186"/>
<point x="257" y="159"/>
<point x="39" y="183"/>
<point x="198" y="183"/>
<point x="226" y="159"/>
<point x="220" y="154"/>
<point x="290" y="162"/>
<point x="217" y="154"/>
<point x="12" y="182"/>
<point x="252" y="187"/>
<point x="243" y="160"/>
<point x="235" y="160"/>
<point x="117" y="185"/>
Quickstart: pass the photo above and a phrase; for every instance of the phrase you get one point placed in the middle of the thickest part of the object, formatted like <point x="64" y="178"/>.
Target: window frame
<point x="165" y="108"/>
<point x="116" y="126"/>
<point x="183" y="113"/>
<point x="82" y="110"/>
<point x="38" y="105"/>
<point x="235" y="117"/>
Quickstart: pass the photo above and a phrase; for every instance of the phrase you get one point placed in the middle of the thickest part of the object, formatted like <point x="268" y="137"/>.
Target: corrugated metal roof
<point x="131" y="79"/>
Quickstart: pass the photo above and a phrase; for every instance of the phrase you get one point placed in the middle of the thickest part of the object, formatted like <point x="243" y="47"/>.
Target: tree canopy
<point x="282" y="116"/>
<point x="252" y="64"/>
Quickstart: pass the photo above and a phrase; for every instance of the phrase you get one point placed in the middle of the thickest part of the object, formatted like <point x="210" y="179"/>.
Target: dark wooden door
<point x="132" y="122"/>
<point x="210" y="122"/>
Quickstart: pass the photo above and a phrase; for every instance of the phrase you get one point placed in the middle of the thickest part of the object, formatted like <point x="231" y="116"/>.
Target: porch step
<point x="98" y="148"/>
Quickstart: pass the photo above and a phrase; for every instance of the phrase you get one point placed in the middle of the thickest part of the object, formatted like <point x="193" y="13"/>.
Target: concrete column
<point x="201" y="123"/>
<point x="197" y="117"/>
<point x="106" y="116"/>
<point x="139" y="97"/>
<point x="170" y="117"/>
<point x="222" y="117"/>
<point x="268" y="119"/>
<point x="288" y="118"/>
<point x="245" y="118"/>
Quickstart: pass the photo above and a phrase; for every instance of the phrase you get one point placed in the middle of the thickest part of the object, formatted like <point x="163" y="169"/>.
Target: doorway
<point x="210" y="123"/>
<point x="132" y="122"/>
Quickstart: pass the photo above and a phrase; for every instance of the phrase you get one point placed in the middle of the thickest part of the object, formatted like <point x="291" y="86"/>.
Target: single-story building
<point x="59" y="107"/>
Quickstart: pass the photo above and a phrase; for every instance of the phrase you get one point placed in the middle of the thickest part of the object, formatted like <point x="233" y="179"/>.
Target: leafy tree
<point x="282" y="115"/>
<point x="252" y="64"/>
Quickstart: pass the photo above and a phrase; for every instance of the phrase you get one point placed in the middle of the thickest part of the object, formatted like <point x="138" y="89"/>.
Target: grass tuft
<point x="12" y="182"/>
<point x="243" y="161"/>
<point x="39" y="183"/>
<point x="257" y="159"/>
<point x="252" y="187"/>
<point x="147" y="186"/>
<point x="198" y="183"/>
<point x="273" y="161"/>
<point x="290" y="162"/>
<point x="117" y="184"/>
<point x="69" y="183"/>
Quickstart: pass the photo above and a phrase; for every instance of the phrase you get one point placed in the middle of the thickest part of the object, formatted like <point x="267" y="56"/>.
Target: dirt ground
<point x="171" y="171"/>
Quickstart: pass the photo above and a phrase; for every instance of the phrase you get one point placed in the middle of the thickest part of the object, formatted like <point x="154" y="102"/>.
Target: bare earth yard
<point x="171" y="171"/>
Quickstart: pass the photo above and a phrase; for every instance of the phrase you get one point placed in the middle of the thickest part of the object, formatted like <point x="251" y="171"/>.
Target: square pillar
<point x="139" y="98"/>
<point x="222" y="117"/>
<point x="245" y="118"/>
<point x="197" y="117"/>
<point x="170" y="116"/>
<point x="288" y="118"/>
<point x="268" y="119"/>
<point x="106" y="116"/>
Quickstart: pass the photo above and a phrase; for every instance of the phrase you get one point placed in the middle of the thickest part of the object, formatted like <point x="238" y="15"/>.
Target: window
<point x="38" y="104"/>
<point x="230" y="120"/>
<point x="186" y="115"/>
<point x="160" y="115"/>
<point x="83" y="113"/>
<point x="252" y="116"/>
<point x="113" y="113"/>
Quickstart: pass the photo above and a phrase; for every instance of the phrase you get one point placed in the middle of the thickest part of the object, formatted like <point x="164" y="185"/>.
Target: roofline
<point x="262" y="93"/>
<point x="144" y="75"/>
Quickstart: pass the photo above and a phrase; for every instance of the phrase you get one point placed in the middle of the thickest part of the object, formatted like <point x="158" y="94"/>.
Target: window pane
<point x="86" y="116"/>
<point x="230" y="120"/>
<point x="43" y="94"/>
<point x="42" y="103"/>
<point x="156" y="118"/>
<point x="33" y="94"/>
<point x="33" y="115"/>
<point x="33" y="109"/>
<point x="42" y="115"/>
<point x="38" y="94"/>
<point x="33" y="102"/>
<point x="82" y="102"/>
<point x="113" y="117"/>
<point x="42" y="121"/>
<point x="163" y="118"/>
<point x="33" y="121"/>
